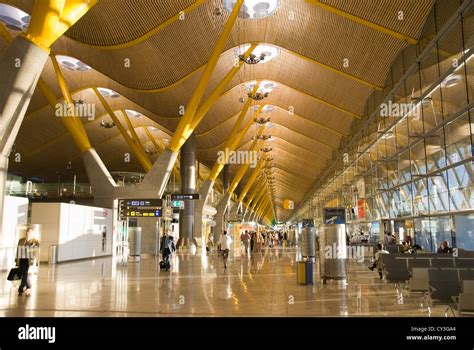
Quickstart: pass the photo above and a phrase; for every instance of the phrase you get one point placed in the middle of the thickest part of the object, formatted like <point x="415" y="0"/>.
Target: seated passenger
<point x="444" y="247"/>
<point x="379" y="251"/>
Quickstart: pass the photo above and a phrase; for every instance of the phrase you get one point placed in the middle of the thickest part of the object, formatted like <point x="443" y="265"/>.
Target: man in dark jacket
<point x="167" y="248"/>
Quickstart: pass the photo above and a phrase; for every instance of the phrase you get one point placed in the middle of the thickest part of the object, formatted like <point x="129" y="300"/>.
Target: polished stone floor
<point x="260" y="284"/>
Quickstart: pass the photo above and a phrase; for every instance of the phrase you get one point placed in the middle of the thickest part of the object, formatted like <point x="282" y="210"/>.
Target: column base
<point x="186" y="244"/>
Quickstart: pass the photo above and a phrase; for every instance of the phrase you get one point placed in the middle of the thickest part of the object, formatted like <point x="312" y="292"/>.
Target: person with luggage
<point x="26" y="254"/>
<point x="210" y="243"/>
<point x="167" y="248"/>
<point x="224" y="242"/>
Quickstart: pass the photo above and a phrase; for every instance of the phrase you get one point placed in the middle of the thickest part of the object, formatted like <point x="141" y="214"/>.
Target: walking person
<point x="224" y="242"/>
<point x="167" y="248"/>
<point x="245" y="240"/>
<point x="26" y="254"/>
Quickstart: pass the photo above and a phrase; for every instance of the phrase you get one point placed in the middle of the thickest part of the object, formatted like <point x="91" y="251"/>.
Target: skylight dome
<point x="132" y="113"/>
<point x="108" y="93"/>
<point x="254" y="9"/>
<point x="14" y="18"/>
<point x="72" y="64"/>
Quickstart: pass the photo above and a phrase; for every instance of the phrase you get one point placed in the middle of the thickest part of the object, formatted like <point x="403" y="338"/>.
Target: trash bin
<point x="53" y="254"/>
<point x="135" y="241"/>
<point x="333" y="252"/>
<point x="308" y="242"/>
<point x="304" y="272"/>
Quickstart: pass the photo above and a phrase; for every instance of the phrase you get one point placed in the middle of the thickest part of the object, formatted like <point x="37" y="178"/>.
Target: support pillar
<point x="199" y="206"/>
<point x="3" y="185"/>
<point x="20" y="69"/>
<point x="222" y="205"/>
<point x="188" y="185"/>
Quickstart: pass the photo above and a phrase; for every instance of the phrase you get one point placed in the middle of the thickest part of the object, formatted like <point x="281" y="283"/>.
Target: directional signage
<point x="140" y="208"/>
<point x="334" y="215"/>
<point x="188" y="196"/>
<point x="141" y="213"/>
<point x="177" y="204"/>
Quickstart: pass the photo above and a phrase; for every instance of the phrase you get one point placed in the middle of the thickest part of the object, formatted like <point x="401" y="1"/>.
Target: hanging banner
<point x="360" y="186"/>
<point x="334" y="215"/>
<point x="361" y="208"/>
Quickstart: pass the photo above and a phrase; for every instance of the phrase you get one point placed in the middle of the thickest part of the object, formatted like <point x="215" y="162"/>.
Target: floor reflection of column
<point x="121" y="288"/>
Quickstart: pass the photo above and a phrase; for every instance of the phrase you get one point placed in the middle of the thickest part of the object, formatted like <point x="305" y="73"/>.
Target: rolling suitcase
<point x="164" y="265"/>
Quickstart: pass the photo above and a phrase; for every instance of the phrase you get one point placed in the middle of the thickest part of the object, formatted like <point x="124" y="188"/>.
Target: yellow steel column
<point x="251" y="180"/>
<point x="259" y="207"/>
<point x="216" y="93"/>
<point x="72" y="124"/>
<point x="234" y="138"/>
<point x="133" y="132"/>
<point x="259" y="197"/>
<point x="254" y="192"/>
<point x="184" y="127"/>
<point x="136" y="150"/>
<point x="257" y="144"/>
<point x="160" y="146"/>
<point x="52" y="18"/>
<point x="263" y="209"/>
<point x="242" y="132"/>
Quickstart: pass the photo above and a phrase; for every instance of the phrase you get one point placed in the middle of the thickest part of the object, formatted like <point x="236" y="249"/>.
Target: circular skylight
<point x="254" y="9"/>
<point x="267" y="52"/>
<point x="266" y="86"/>
<point x="265" y="109"/>
<point x="13" y="18"/>
<point x="108" y="93"/>
<point x="451" y="80"/>
<point x="72" y="64"/>
<point x="132" y="113"/>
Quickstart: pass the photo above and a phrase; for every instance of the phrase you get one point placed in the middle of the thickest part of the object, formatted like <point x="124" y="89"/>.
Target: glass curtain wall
<point x="414" y="150"/>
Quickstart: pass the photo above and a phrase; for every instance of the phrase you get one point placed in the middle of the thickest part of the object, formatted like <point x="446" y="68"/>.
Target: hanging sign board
<point x="188" y="196"/>
<point x="140" y="208"/>
<point x="334" y="215"/>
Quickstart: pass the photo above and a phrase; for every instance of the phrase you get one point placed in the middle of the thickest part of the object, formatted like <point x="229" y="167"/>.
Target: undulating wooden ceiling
<point x="327" y="68"/>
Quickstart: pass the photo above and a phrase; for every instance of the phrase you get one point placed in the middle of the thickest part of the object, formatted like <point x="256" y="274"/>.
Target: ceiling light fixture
<point x="108" y="92"/>
<point x="107" y="125"/>
<point x="254" y="9"/>
<point x="132" y="113"/>
<point x="262" y="53"/>
<point x="261" y="120"/>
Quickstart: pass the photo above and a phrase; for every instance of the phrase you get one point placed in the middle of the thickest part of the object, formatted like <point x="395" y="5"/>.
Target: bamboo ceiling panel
<point x="387" y="13"/>
<point x="312" y="34"/>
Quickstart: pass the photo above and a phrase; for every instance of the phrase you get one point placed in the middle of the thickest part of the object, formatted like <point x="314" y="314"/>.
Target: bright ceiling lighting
<point x="265" y="109"/>
<point x="72" y="64"/>
<point x="14" y="18"/>
<point x="254" y="9"/>
<point x="132" y="113"/>
<point x="451" y="80"/>
<point x="266" y="86"/>
<point x="108" y="92"/>
<point x="263" y="52"/>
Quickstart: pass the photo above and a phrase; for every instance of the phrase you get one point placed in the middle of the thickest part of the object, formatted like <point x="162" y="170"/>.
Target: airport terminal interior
<point x="236" y="158"/>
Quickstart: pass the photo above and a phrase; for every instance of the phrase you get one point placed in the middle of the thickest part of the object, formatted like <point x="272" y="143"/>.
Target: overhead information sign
<point x="154" y="202"/>
<point x="188" y="196"/>
<point x="140" y="208"/>
<point x="177" y="204"/>
<point x="142" y="213"/>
